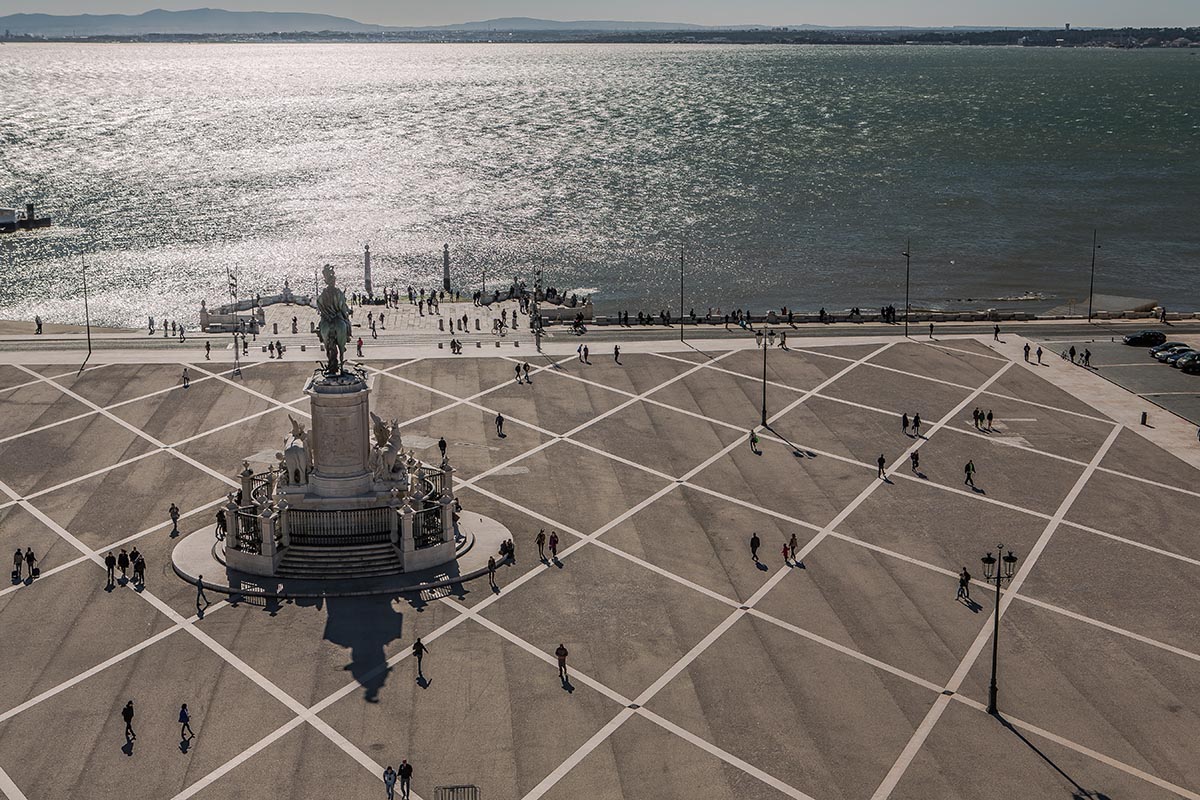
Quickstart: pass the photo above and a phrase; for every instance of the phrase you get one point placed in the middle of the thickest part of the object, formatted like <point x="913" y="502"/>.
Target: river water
<point x="785" y="175"/>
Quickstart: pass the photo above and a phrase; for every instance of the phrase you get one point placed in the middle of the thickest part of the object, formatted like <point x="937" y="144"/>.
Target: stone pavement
<point x="851" y="672"/>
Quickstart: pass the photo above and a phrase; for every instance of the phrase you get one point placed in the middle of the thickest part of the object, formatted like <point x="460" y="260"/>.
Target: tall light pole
<point x="1092" y="280"/>
<point x="534" y="318"/>
<point x="997" y="569"/>
<point x="681" y="292"/>
<point x="764" y="385"/>
<point x="87" y="316"/>
<point x="907" y="265"/>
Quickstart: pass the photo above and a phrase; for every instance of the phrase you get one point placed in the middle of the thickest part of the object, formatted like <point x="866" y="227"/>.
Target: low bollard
<point x="440" y="346"/>
<point x="1144" y="417"/>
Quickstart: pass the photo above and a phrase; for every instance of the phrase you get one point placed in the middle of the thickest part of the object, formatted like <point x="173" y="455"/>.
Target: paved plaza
<point x="694" y="670"/>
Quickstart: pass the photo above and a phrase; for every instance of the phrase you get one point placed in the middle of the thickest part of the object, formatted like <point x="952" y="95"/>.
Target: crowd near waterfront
<point x="789" y="176"/>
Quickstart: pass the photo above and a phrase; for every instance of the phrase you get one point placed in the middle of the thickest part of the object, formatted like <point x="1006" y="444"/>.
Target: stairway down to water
<point x="344" y="561"/>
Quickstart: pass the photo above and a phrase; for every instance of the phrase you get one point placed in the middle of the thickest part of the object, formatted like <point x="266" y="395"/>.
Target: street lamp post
<point x="764" y="382"/>
<point x="87" y="316"/>
<point x="1092" y="280"/>
<point x="681" y="292"/>
<point x="997" y="569"/>
<point x="534" y="318"/>
<point x="907" y="264"/>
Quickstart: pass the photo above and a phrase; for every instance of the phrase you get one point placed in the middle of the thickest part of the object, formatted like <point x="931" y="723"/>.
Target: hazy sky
<point x="711" y="12"/>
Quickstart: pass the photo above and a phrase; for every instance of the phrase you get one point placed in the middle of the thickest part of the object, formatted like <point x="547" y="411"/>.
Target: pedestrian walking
<point x="110" y="565"/>
<point x="561" y="654"/>
<point x="617" y="353"/>
<point x="31" y="563"/>
<point x="405" y="772"/>
<point x="585" y="355"/>
<point x="271" y="349"/>
<point x="754" y="545"/>
<point x="37" y="321"/>
<point x="1039" y="355"/>
<point x="916" y="461"/>
<point x="1071" y="353"/>
<point x="975" y="417"/>
<point x="173" y="513"/>
<point x="419" y="650"/>
<point x="186" y="380"/>
<point x="389" y="782"/>
<point x="127" y="715"/>
<point x="931" y="330"/>
<point x="753" y="442"/>
<point x="579" y="352"/>
<point x="904" y="422"/>
<point x="1027" y="352"/>
<point x="442" y="446"/>
<point x="139" y="570"/>
<point x="881" y="461"/>
<point x="989" y="419"/>
<point x="18" y="564"/>
<point x="492" y="572"/>
<point x="783" y="338"/>
<point x="1087" y="357"/>
<point x="200" y="598"/>
<point x="185" y="723"/>
<point x="996" y="333"/>
<point x="964" y="585"/>
<point x="554" y="545"/>
<point x="207" y="350"/>
<point x="969" y="470"/>
<point x="792" y="544"/>
<point x="222" y="522"/>
<point x="499" y="424"/>
<point x="517" y="368"/>
<point x="123" y="563"/>
<point x="916" y="425"/>
<point x="784" y="552"/>
<point x="525" y="369"/>
<point x="359" y="343"/>
<point x="541" y="544"/>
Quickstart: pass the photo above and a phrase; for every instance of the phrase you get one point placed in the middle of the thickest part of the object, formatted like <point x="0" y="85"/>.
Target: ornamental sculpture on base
<point x="343" y="491"/>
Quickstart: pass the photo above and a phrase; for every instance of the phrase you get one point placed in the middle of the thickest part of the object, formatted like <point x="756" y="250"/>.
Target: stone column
<point x="446" y="267"/>
<point x="448" y="480"/>
<point x="407" y="543"/>
<point x="231" y="522"/>
<point x="266" y="526"/>
<point x="367" y="270"/>
<point x="447" y="511"/>
<point x="246" y="475"/>
<point x="284" y="533"/>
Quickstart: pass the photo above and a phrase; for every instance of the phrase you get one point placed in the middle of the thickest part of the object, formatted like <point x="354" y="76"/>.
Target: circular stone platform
<point x="199" y="553"/>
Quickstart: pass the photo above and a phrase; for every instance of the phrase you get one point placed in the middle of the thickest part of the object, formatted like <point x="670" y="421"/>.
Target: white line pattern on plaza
<point x="728" y="758"/>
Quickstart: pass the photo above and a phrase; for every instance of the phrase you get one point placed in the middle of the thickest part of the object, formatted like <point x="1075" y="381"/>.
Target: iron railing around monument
<point x="435" y="477"/>
<point x="427" y="528"/>
<point x="344" y="527"/>
<point x="260" y="487"/>
<point x="249" y="531"/>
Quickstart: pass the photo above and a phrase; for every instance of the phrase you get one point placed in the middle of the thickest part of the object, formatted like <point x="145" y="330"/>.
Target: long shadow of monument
<point x="364" y="626"/>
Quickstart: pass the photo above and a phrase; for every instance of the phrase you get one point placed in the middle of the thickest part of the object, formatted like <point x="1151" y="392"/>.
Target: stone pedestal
<point x="340" y="436"/>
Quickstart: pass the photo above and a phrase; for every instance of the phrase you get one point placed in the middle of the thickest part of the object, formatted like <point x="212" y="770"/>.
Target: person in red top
<point x="561" y="655"/>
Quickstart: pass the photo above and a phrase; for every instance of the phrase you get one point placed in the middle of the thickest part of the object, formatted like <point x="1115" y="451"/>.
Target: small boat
<point x="13" y="219"/>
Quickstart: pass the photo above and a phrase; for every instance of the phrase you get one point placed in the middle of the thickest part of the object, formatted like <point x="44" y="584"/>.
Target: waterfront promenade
<point x="851" y="671"/>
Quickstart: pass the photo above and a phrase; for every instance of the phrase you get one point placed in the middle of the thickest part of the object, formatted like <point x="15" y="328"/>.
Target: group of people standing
<point x="124" y="561"/>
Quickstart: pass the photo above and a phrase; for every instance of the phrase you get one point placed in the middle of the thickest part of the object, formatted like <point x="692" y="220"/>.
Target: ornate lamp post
<point x="997" y="569"/>
<point x="907" y="265"/>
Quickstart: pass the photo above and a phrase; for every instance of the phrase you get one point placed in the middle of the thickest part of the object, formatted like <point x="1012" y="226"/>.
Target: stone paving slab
<point x="931" y="361"/>
<point x="229" y="714"/>
<point x="820" y="721"/>
<point x="899" y="394"/>
<point x="36" y="406"/>
<point x="1145" y="513"/>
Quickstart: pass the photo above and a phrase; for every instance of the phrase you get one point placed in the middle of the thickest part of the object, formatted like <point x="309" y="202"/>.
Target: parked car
<point x="1165" y="346"/>
<point x="1163" y="355"/>
<point x="1145" y="338"/>
<point x="1191" y="367"/>
<point x="1185" y="359"/>
<point x="1178" y="354"/>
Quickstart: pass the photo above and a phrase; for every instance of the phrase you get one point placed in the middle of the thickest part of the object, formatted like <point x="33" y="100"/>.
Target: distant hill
<point x="532" y="24"/>
<point x="200" y="21"/>
<point x="195" y="21"/>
